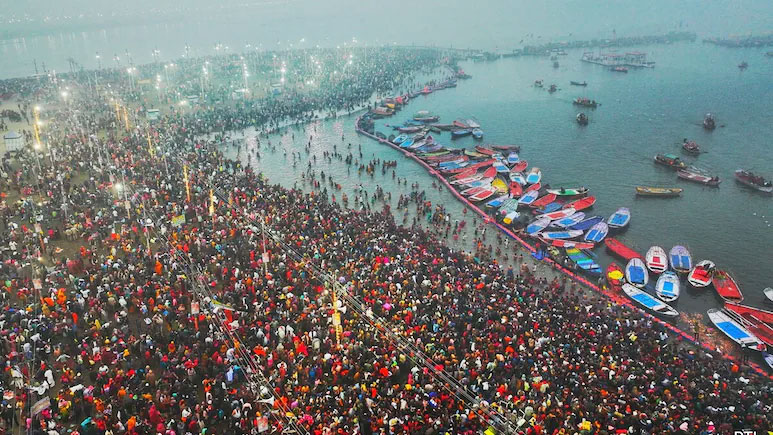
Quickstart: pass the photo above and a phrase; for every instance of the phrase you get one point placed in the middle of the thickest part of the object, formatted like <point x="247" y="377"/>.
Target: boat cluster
<point x="748" y="326"/>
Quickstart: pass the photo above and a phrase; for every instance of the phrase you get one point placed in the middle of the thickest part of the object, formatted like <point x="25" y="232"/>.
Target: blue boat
<point x="406" y="143"/>
<point x="477" y="133"/>
<point x="583" y="261"/>
<point x="430" y="148"/>
<point x="450" y="163"/>
<point x="512" y="158"/>
<point x="597" y="233"/>
<point x="734" y="327"/>
<point x="538" y="225"/>
<point x="553" y="206"/>
<point x="649" y="302"/>
<point x="680" y="259"/>
<point x="569" y="220"/>
<point x="412" y="123"/>
<point x="496" y="202"/>
<point x="586" y="223"/>
<point x="461" y="133"/>
<point x="400" y="139"/>
<point x="500" y="167"/>
<point x="620" y="218"/>
<point x="528" y="197"/>
<point x="636" y="273"/>
<point x="454" y="165"/>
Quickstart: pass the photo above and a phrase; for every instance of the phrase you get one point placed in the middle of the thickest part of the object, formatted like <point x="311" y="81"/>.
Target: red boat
<point x="567" y="243"/>
<point x="472" y="166"/>
<point x="460" y="124"/>
<point x="516" y="190"/>
<point x="543" y="201"/>
<point x="520" y="166"/>
<point x="726" y="287"/>
<point x="759" y="320"/>
<point x="484" y="150"/>
<point x="691" y="147"/>
<point x="468" y="172"/>
<point x="581" y="204"/>
<point x="697" y="177"/>
<point x="490" y="172"/>
<point x="621" y="250"/>
<point x="615" y="276"/>
<point x="535" y="186"/>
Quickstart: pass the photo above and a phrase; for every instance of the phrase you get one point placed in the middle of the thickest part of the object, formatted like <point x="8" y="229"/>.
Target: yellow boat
<point x="658" y="191"/>
<point x="391" y="106"/>
<point x="499" y="185"/>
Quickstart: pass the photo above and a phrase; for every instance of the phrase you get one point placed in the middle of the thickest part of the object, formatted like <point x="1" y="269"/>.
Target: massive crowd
<point x="142" y="304"/>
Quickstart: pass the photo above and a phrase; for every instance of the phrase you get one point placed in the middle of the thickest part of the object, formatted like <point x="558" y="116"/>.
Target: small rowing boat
<point x="483" y="195"/>
<point x="517" y="177"/>
<point x="472" y="190"/>
<point x="700" y="275"/>
<point x="764" y="316"/>
<point x="559" y="214"/>
<point x="620" y="249"/>
<point x="758" y="321"/>
<point x="656" y="259"/>
<point x="460" y="133"/>
<point x="516" y="190"/>
<point x="537" y="225"/>
<point x="569" y="191"/>
<point x="474" y="154"/>
<point x="569" y="220"/>
<point x="477" y="133"/>
<point x="754" y="181"/>
<point x="496" y="202"/>
<point x="536" y="187"/>
<point x="587" y="223"/>
<point x="568" y="244"/>
<point x="465" y="181"/>
<point x="500" y="185"/>
<point x="620" y="218"/>
<point x="484" y="150"/>
<point x="726" y="287"/>
<point x="768" y="292"/>
<point x="528" y="197"/>
<point x="636" y="273"/>
<point x="615" y="276"/>
<point x="574" y="83"/>
<point x="550" y="235"/>
<point x="731" y="326"/>
<point x="534" y="176"/>
<point x="691" y="147"/>
<point x="597" y="233"/>
<point x="582" y="203"/>
<point x="680" y="259"/>
<point x="665" y="192"/>
<point x="649" y="302"/>
<point x="501" y="167"/>
<point x="512" y="158"/>
<point x="544" y="200"/>
<point x="696" y="177"/>
<point x="670" y="160"/>
<point x="667" y="286"/>
<point x="583" y="261"/>
<point x="520" y="166"/>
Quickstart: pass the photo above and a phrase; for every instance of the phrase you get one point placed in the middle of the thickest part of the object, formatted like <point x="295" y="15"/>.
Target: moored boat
<point x="583" y="261"/>
<point x="700" y="274"/>
<point x="761" y="315"/>
<point x="754" y="181"/>
<point x="649" y="302"/>
<point x="569" y="234"/>
<point x="621" y="69"/>
<point x="569" y="191"/>
<point x="726" y="286"/>
<point x="461" y="133"/>
<point x="569" y="220"/>
<point x="768" y="292"/>
<point x="528" y="197"/>
<point x="512" y="158"/>
<point x="665" y="192"/>
<point x="667" y="286"/>
<point x="615" y="276"/>
<point x="477" y="133"/>
<point x="731" y="325"/>
<point x="691" y="147"/>
<point x="472" y="190"/>
<point x="501" y="167"/>
<point x="510" y="217"/>
<point x="499" y="185"/>
<point x="484" y="150"/>
<point x="534" y="176"/>
<point x="425" y="116"/>
<point x="621" y="249"/>
<point x="400" y="139"/>
<point x="516" y="190"/>
<point x="537" y="225"/>
<point x="670" y="160"/>
<point x="581" y="204"/>
<point x="694" y="176"/>
<point x="520" y="166"/>
<point x="574" y="83"/>
<point x="559" y="214"/>
<point x="544" y="200"/>
<point x="483" y="195"/>
<point x="597" y="233"/>
<point x="680" y="259"/>
<point x="587" y="223"/>
<point x="585" y="102"/>
<point x="619" y="218"/>
<point x="657" y="261"/>
<point x="517" y="177"/>
<point x="636" y="273"/>
<point x="496" y="202"/>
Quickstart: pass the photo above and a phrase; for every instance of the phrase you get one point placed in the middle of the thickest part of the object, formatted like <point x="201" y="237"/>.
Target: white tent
<point x="13" y="141"/>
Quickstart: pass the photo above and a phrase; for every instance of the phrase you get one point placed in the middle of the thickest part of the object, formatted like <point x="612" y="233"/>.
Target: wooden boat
<point x="585" y="102"/>
<point x="474" y="154"/>
<point x="451" y="163"/>
<point x="700" y="274"/>
<point x="658" y="191"/>
<point x="471" y="166"/>
<point x="726" y="286"/>
<point x="544" y="200"/>
<point x="425" y="116"/>
<point x="483" y="194"/>
<point x="500" y="185"/>
<point x="731" y="325"/>
<point x="667" y="286"/>
<point x="537" y="225"/>
<point x="615" y="276"/>
<point x="501" y="167"/>
<point x="444" y="127"/>
<point x="400" y="139"/>
<point x="460" y="133"/>
<point x="620" y="218"/>
<point x="649" y="302"/>
<point x="582" y="119"/>
<point x="691" y="147"/>
<point x="460" y="124"/>
<point x="754" y="181"/>
<point x="496" y="202"/>
<point x="680" y="259"/>
<point x="516" y="190"/>
<point x="581" y="204"/>
<point x="561" y="243"/>
<point x="483" y="182"/>
<point x="597" y="233"/>
<point x="528" y="197"/>
<point x="484" y="150"/>
<point x="620" y="249"/>
<point x="686" y="174"/>
<point x="758" y="321"/>
<point x="621" y="69"/>
<point x="472" y="190"/>
<point x="477" y="133"/>
<point x="574" y="83"/>
<point x="534" y="176"/>
<point x="491" y="172"/>
<point x="515" y="148"/>
<point x="510" y="217"/>
<point x="406" y="143"/>
<point x="764" y="316"/>
<point x="536" y="186"/>
<point x="550" y="208"/>
<point x="410" y="129"/>
<point x="656" y="259"/>
<point x="520" y="166"/>
<point x="583" y="261"/>
<point x="559" y="214"/>
<point x="670" y="160"/>
<point x="512" y="158"/>
<point x="517" y="177"/>
<point x="636" y="273"/>
<point x="578" y="191"/>
<point x="465" y="181"/>
<point x="587" y="223"/>
<point x="472" y="123"/>
<point x="569" y="220"/>
<point x="708" y="122"/>
<point x="508" y="206"/>
<point x="550" y="235"/>
<point x="469" y="172"/>
<point x="768" y="292"/>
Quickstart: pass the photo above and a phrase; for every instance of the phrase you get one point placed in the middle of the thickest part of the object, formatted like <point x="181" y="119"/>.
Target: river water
<point x="642" y="113"/>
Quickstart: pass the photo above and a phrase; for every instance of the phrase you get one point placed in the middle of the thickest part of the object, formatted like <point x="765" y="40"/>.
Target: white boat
<point x="733" y="326"/>
<point x="500" y="167"/>
<point x="768" y="359"/>
<point x="483" y="182"/>
<point x="569" y="220"/>
<point x="537" y="225"/>
<point x="667" y="287"/>
<point x="496" y="202"/>
<point x="620" y="218"/>
<point x="649" y="302"/>
<point x="534" y="176"/>
<point x="466" y="180"/>
<point x="680" y="258"/>
<point x="636" y="273"/>
<point x="513" y="215"/>
<point x="657" y="261"/>
<point x="769" y="293"/>
<point x="560" y="235"/>
<point x="700" y="275"/>
<point x="517" y="177"/>
<point x="597" y="233"/>
<point x="528" y="197"/>
<point x="512" y="158"/>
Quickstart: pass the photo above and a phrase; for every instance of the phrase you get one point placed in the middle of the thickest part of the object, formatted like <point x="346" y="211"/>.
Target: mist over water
<point x="140" y="27"/>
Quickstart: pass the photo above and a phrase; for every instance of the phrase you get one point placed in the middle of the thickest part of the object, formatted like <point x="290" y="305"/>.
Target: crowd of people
<point x="153" y="286"/>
